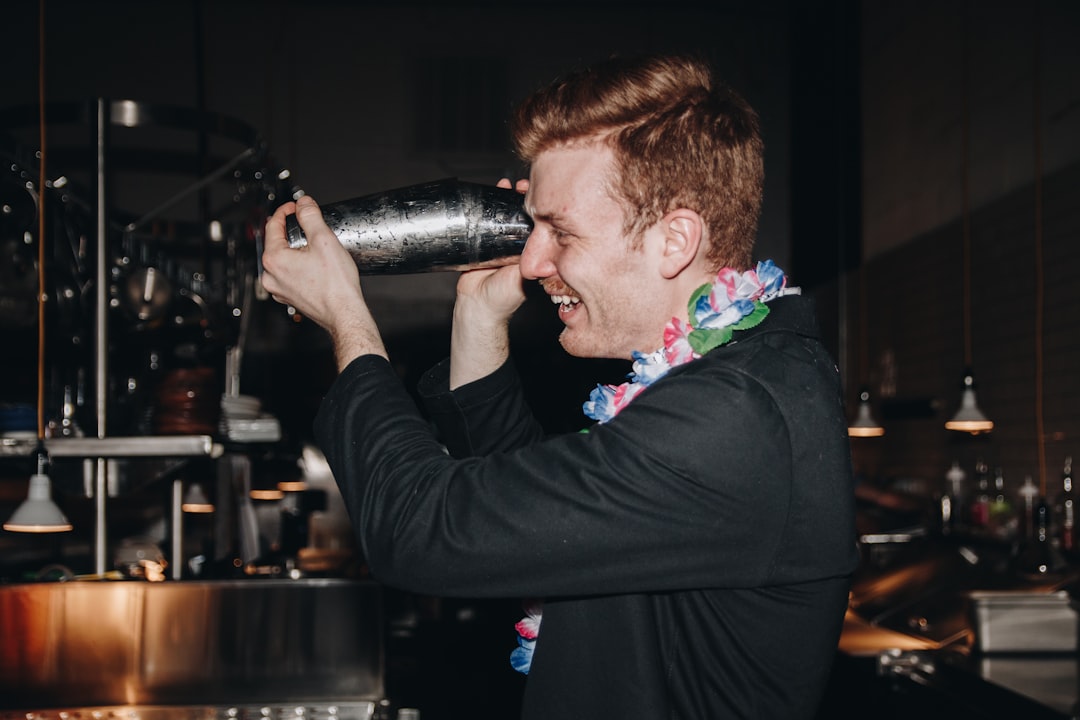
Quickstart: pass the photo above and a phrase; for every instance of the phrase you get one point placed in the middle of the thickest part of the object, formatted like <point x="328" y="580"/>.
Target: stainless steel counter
<point x="219" y="644"/>
<point x="330" y="711"/>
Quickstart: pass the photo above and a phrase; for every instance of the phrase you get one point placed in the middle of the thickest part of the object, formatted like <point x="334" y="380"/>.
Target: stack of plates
<point x="243" y="407"/>
<point x="242" y="420"/>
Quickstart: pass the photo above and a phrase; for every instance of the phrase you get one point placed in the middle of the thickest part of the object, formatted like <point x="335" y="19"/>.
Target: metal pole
<point x="177" y="512"/>
<point x="102" y="349"/>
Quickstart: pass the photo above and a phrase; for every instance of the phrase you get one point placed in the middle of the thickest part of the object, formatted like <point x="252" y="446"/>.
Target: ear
<point x="682" y="235"/>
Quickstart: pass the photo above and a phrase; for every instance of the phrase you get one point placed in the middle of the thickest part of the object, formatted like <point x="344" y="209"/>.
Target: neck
<point x="715" y="311"/>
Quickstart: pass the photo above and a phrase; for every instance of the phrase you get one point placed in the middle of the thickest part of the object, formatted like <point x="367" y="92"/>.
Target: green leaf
<point x="692" y="305"/>
<point x="754" y="318"/>
<point x="702" y="341"/>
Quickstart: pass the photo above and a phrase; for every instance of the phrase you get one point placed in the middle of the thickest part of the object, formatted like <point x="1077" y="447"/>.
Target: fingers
<point x="275" y="243"/>
<point x="275" y="237"/>
<point x="522" y="185"/>
<point x="311" y="219"/>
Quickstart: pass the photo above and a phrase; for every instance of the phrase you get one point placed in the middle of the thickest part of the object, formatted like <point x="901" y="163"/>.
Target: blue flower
<point x="521" y="656"/>
<point x="771" y="277"/>
<point x="647" y="369"/>
<point x="601" y="403"/>
<point x="729" y="315"/>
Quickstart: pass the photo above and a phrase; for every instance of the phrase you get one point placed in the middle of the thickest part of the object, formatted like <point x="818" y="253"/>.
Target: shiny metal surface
<point x="102" y="643"/>
<point x="325" y="711"/>
<point x="442" y="225"/>
<point x="136" y="446"/>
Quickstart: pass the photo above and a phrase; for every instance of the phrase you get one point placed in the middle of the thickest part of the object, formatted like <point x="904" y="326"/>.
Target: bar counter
<point x="948" y="625"/>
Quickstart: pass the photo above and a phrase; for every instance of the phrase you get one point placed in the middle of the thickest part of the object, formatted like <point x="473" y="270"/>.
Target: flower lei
<point x="734" y="301"/>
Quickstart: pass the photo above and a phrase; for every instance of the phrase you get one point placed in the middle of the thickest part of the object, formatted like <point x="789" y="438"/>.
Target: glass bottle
<point x="980" y="507"/>
<point x="1002" y="516"/>
<point x="1067" y="511"/>
<point x="1029" y="499"/>
<point x="1037" y="556"/>
<point x="442" y="225"/>
<point x="954" y="508"/>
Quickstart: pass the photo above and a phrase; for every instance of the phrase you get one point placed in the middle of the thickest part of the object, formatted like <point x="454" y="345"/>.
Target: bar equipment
<point x="442" y="225"/>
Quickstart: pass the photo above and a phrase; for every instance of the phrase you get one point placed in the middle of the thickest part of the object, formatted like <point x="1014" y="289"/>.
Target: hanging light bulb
<point x="38" y="513"/>
<point x="195" y="500"/>
<point x="969" y="418"/>
<point x="864" y="424"/>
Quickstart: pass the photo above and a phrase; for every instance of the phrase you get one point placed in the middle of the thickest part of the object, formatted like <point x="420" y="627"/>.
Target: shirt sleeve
<point x="485" y="416"/>
<point x="690" y="486"/>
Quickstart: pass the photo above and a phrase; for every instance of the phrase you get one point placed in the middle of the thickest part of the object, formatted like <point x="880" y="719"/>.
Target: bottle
<point x="953" y="502"/>
<point x="1038" y="558"/>
<point x="1002" y="516"/>
<point x="442" y="225"/>
<point x="1068" y="535"/>
<point x="1029" y="498"/>
<point x="980" y="508"/>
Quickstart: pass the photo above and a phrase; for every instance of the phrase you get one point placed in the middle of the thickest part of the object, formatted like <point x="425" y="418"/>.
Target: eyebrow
<point x="549" y="217"/>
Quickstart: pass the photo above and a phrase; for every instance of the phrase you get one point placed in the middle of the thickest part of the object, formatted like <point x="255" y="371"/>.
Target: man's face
<point x="609" y="294"/>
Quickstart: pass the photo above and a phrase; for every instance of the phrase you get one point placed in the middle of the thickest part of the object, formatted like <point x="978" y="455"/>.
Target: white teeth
<point x="565" y="299"/>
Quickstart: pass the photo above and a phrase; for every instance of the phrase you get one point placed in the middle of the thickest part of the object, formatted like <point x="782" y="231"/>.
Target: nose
<point x="537" y="260"/>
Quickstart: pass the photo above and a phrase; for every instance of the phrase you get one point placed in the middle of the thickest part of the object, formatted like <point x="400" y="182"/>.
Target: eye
<point x="559" y="235"/>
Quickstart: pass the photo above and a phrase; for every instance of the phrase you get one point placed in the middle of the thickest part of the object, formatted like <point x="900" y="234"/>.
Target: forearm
<point x="480" y="339"/>
<point x="354" y="333"/>
<point x="477" y="348"/>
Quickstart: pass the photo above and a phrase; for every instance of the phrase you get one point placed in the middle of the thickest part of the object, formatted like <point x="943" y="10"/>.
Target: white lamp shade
<point x="38" y="513"/>
<point x="864" y="424"/>
<point x="195" y="500"/>
<point x="969" y="418"/>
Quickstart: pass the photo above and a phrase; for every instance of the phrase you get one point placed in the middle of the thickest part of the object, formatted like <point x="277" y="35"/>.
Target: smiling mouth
<point x="566" y="303"/>
<point x="561" y="294"/>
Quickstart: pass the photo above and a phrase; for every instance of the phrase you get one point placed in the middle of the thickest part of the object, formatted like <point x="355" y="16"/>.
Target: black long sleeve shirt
<point x="694" y="552"/>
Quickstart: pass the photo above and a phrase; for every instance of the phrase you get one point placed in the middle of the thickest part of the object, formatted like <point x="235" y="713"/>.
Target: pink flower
<point x="625" y="393"/>
<point x="744" y="286"/>
<point x="677" y="348"/>
<point x="528" y="627"/>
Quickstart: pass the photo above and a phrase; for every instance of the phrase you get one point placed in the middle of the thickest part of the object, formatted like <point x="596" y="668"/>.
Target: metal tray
<point x="1023" y="622"/>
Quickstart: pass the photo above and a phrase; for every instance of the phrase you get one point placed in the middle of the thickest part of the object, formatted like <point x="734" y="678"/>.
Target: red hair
<point x="680" y="139"/>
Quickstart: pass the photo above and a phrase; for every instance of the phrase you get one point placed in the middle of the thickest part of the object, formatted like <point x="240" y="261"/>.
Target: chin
<point x="580" y="347"/>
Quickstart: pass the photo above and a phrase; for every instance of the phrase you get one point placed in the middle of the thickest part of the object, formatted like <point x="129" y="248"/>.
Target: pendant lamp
<point x="968" y="418"/>
<point x="196" y="501"/>
<point x="863" y="425"/>
<point x="38" y="513"/>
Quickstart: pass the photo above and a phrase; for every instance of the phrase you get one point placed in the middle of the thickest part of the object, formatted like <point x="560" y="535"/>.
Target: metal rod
<point x="135" y="225"/>
<point x="101" y="359"/>
<point x="176" y="510"/>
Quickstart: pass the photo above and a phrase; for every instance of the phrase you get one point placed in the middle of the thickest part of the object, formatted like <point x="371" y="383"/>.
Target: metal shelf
<point x="113" y="447"/>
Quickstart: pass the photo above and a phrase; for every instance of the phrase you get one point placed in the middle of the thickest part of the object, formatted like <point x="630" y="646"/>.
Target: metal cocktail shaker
<point x="441" y="225"/>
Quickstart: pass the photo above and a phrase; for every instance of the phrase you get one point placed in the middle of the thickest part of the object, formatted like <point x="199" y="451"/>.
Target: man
<point x="693" y="547"/>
